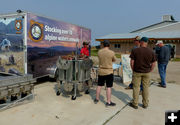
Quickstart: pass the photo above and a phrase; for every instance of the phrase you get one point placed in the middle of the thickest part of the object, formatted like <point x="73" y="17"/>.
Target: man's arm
<point x="132" y="64"/>
<point x="114" y="58"/>
<point x="152" y="66"/>
<point x="82" y="52"/>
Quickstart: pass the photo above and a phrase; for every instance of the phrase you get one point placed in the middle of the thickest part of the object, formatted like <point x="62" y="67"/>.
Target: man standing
<point x="105" y="72"/>
<point x="136" y="45"/>
<point x="137" y="42"/>
<point x="142" y="63"/>
<point x="85" y="54"/>
<point x="163" y="57"/>
<point x="85" y="50"/>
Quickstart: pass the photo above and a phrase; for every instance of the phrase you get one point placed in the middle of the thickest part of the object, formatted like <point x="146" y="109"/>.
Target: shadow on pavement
<point x="121" y="95"/>
<point x="93" y="95"/>
<point x="119" y="81"/>
<point x="66" y="94"/>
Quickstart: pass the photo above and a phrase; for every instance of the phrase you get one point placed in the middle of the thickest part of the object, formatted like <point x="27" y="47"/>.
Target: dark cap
<point x="106" y="43"/>
<point x="85" y="43"/>
<point x="144" y="39"/>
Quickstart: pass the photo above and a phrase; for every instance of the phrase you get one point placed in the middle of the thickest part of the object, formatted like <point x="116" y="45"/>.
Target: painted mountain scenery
<point x="11" y="45"/>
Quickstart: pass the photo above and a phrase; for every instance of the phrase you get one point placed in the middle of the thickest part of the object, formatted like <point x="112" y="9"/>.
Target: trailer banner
<point x="48" y="38"/>
<point x="46" y="32"/>
<point x="12" y="45"/>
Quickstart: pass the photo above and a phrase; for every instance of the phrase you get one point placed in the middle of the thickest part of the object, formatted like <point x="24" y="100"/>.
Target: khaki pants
<point x="136" y="80"/>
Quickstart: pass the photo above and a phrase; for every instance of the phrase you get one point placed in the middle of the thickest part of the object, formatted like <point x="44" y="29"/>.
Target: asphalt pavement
<point x="48" y="108"/>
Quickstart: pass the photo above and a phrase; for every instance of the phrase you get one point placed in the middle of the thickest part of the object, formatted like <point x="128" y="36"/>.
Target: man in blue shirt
<point x="163" y="56"/>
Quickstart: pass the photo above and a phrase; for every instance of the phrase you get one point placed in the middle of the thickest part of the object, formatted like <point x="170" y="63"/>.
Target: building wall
<point x="126" y="47"/>
<point x="177" y="50"/>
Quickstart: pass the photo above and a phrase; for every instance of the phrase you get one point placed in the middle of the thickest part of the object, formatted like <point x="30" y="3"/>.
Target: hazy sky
<point x="101" y="16"/>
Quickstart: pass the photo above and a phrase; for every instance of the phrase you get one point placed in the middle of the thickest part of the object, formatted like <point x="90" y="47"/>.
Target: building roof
<point x="166" y="20"/>
<point x="155" y="35"/>
<point x="160" y="24"/>
<point x="167" y="29"/>
<point x="173" y="27"/>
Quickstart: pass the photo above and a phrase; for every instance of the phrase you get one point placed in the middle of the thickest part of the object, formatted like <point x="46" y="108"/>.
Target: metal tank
<point x="72" y="74"/>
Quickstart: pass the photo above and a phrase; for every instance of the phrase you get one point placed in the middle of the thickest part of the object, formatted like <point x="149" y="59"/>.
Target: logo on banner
<point x="36" y="31"/>
<point x="18" y="26"/>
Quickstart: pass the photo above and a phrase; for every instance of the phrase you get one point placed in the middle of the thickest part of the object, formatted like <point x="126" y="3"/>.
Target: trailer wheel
<point x="58" y="93"/>
<point x="73" y="98"/>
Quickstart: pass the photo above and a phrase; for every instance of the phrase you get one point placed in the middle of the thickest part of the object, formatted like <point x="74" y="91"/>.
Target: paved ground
<point x="173" y="71"/>
<point x="161" y="100"/>
<point x="47" y="108"/>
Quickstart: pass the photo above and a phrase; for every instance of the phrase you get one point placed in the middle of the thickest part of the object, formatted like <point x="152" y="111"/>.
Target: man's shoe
<point x="133" y="106"/>
<point x="128" y="87"/>
<point x="87" y="92"/>
<point x="163" y="86"/>
<point x="159" y="83"/>
<point x="145" y="107"/>
<point x="110" y="104"/>
<point x="96" y="101"/>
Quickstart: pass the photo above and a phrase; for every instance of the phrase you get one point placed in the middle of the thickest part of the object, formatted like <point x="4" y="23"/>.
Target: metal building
<point x="167" y="30"/>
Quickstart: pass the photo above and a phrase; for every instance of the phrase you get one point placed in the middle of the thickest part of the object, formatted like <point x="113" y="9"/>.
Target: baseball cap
<point x="138" y="38"/>
<point x="106" y="42"/>
<point x="159" y="42"/>
<point x="144" y="39"/>
<point x="85" y="43"/>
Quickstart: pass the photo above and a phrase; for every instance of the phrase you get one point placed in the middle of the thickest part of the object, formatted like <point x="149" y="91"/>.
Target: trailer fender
<point x="52" y="71"/>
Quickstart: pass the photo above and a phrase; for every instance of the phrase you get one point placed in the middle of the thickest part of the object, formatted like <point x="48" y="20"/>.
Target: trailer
<point x="31" y="43"/>
<point x="15" y="89"/>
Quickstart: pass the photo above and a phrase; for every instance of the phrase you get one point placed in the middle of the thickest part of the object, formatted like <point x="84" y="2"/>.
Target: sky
<point x="103" y="17"/>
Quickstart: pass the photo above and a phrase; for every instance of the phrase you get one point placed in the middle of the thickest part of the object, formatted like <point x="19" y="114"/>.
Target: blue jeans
<point x="162" y="73"/>
<point x="131" y="86"/>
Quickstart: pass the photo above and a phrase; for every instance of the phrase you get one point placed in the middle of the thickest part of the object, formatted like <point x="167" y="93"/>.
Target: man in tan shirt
<point x="105" y="72"/>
